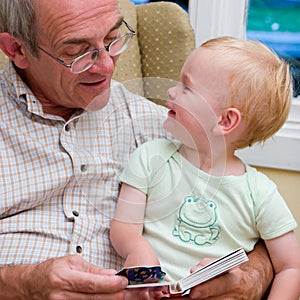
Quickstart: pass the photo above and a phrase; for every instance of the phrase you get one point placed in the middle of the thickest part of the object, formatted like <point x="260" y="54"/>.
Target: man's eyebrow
<point x="118" y="24"/>
<point x="78" y="41"/>
<point x="75" y="41"/>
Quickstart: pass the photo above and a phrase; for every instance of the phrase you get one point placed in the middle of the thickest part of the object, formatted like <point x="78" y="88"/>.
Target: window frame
<point x="213" y="18"/>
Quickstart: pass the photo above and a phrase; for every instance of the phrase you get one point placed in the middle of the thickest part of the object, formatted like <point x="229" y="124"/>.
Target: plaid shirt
<point x="59" y="180"/>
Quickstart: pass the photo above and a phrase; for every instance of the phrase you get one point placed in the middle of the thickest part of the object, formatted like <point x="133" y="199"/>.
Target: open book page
<point x="154" y="278"/>
<point x="215" y="268"/>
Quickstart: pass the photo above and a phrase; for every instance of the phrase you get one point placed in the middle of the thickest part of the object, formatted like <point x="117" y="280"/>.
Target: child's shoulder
<point x="158" y="145"/>
<point x="258" y="180"/>
<point x="162" y="148"/>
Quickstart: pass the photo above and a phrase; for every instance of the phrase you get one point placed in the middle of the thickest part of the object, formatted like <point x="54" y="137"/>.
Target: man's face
<point x="67" y="29"/>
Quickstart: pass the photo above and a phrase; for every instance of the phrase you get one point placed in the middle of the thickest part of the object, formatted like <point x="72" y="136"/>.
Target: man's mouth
<point x="94" y="83"/>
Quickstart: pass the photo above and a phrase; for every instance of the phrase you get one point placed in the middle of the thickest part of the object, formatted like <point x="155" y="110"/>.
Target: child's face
<point x="197" y="102"/>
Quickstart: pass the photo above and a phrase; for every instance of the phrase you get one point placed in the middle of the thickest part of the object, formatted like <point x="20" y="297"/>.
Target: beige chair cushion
<point x="128" y="68"/>
<point x="166" y="39"/>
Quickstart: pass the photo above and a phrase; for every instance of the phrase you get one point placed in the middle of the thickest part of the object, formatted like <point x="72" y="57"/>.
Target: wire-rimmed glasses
<point x="86" y="60"/>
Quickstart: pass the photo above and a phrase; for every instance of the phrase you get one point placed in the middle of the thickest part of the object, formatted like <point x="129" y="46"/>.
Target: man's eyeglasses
<point x="86" y="60"/>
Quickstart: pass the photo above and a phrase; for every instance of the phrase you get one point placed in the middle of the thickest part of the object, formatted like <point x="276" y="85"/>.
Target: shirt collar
<point x="22" y="94"/>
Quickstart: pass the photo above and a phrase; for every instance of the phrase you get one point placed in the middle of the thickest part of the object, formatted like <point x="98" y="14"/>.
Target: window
<point x="276" y="23"/>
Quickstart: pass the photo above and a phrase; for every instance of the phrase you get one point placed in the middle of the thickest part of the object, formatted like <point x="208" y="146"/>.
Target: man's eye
<point x="108" y="40"/>
<point x="74" y="52"/>
<point x="69" y="56"/>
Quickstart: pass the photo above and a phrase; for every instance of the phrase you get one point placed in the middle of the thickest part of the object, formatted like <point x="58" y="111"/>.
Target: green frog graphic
<point x="196" y="221"/>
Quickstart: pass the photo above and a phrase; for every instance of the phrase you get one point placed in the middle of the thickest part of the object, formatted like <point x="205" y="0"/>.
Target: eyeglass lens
<point x="115" y="48"/>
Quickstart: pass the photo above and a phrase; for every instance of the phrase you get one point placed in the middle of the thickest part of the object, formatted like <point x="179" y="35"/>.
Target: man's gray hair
<point x="17" y="17"/>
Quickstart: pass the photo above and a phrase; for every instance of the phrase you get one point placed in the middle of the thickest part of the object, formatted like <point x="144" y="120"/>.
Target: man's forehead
<point x="65" y="9"/>
<point x="75" y="3"/>
<point x="63" y="19"/>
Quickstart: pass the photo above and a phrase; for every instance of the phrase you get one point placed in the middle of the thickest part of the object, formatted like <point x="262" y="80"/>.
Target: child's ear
<point x="228" y="121"/>
<point x="13" y="50"/>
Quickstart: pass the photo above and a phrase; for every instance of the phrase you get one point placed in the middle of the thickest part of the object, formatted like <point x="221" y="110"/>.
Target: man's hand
<point x="250" y="281"/>
<point x="69" y="277"/>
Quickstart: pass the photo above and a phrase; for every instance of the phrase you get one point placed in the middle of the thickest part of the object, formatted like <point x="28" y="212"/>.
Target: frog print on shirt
<point x="196" y="221"/>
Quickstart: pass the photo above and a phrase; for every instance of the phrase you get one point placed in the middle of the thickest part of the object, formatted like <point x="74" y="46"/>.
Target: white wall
<point x="214" y="18"/>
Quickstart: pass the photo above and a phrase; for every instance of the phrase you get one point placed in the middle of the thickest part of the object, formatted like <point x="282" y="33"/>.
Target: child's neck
<point x="220" y="163"/>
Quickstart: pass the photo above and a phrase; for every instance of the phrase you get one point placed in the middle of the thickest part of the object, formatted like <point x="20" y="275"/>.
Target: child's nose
<point x="172" y="92"/>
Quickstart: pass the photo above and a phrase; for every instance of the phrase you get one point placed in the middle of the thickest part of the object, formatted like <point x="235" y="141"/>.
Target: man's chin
<point x="99" y="101"/>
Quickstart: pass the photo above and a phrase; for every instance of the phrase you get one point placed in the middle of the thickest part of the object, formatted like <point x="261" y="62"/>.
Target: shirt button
<point x="83" y="168"/>
<point x="78" y="249"/>
<point x="67" y="127"/>
<point x="75" y="213"/>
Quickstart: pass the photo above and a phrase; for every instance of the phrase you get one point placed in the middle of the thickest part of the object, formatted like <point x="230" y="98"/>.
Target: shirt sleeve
<point x="273" y="216"/>
<point x="146" y="165"/>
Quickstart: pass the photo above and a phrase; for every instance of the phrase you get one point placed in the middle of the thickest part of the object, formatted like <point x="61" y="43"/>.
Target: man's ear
<point x="13" y="50"/>
<point x="229" y="121"/>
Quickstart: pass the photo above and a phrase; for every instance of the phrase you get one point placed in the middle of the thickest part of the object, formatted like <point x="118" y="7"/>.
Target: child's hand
<point x="141" y="258"/>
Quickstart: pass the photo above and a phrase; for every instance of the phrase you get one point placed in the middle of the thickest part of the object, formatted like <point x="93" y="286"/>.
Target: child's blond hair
<point x="260" y="86"/>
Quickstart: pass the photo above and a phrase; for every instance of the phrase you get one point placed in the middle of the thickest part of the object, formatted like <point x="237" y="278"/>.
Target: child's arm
<point x="285" y="256"/>
<point x="127" y="226"/>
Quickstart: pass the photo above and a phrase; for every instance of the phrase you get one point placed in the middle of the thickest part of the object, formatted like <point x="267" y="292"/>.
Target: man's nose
<point x="104" y="63"/>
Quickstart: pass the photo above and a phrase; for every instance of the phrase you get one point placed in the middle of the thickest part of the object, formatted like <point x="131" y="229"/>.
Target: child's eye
<point x="185" y="88"/>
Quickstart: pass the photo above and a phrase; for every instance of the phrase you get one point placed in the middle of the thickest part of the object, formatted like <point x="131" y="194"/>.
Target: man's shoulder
<point x="11" y="81"/>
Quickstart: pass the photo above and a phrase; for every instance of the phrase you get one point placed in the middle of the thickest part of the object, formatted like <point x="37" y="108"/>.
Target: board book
<point x="152" y="277"/>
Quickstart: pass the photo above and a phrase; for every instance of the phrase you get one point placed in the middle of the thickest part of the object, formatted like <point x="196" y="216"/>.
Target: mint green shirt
<point x="191" y="215"/>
